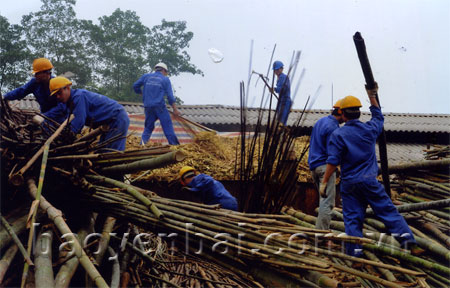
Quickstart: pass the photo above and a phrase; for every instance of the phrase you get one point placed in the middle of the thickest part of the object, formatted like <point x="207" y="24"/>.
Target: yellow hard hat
<point x="41" y="64"/>
<point x="337" y="104"/>
<point x="185" y="170"/>
<point x="58" y="83"/>
<point x="350" y="102"/>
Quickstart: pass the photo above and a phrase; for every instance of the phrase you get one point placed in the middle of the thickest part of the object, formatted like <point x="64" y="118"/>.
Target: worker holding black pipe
<point x="353" y="148"/>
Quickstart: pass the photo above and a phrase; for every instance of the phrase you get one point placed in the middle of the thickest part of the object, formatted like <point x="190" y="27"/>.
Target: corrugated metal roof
<point x="400" y="153"/>
<point x="230" y="115"/>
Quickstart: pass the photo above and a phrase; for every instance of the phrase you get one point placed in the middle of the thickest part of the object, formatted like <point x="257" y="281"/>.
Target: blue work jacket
<point x="353" y="147"/>
<point x="283" y="89"/>
<point x="319" y="140"/>
<point x="40" y="90"/>
<point x="89" y="108"/>
<point x="212" y="191"/>
<point x="156" y="86"/>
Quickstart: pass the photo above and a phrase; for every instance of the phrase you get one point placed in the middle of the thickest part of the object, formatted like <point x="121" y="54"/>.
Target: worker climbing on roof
<point x="353" y="147"/>
<point x="317" y="161"/>
<point x="210" y="190"/>
<point x="156" y="86"/>
<point x="283" y="89"/>
<point x="38" y="86"/>
<point x="90" y="108"/>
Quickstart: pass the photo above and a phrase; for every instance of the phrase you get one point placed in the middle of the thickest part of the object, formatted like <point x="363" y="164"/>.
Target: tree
<point x="120" y="41"/>
<point x="54" y="32"/>
<point x="168" y="43"/>
<point x="14" y="56"/>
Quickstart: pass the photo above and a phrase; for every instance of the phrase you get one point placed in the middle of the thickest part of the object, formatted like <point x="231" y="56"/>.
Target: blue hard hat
<point x="277" y="65"/>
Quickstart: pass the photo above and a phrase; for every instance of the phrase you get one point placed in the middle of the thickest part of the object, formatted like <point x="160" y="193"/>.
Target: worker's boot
<point x="416" y="250"/>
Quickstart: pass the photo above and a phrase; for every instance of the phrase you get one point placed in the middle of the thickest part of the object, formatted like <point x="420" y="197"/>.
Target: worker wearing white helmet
<point x="153" y="87"/>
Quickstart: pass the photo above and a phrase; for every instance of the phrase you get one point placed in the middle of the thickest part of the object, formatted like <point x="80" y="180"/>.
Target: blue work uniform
<point x="156" y="86"/>
<point x="40" y="91"/>
<point x="317" y="161"/>
<point x="353" y="147"/>
<point x="93" y="109"/>
<point x="283" y="89"/>
<point x="213" y="192"/>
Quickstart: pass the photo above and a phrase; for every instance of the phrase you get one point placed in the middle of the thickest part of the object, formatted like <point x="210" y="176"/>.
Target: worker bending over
<point x="210" y="190"/>
<point x="353" y="147"/>
<point x="156" y="86"/>
<point x="317" y="161"/>
<point x="90" y="108"/>
<point x="283" y="89"/>
<point x="38" y="86"/>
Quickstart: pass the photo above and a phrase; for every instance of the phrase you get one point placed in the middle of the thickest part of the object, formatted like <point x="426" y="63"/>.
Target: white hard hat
<point x="161" y="65"/>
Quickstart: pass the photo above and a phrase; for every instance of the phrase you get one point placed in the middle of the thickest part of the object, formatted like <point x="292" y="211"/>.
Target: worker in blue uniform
<point x="283" y="88"/>
<point x="38" y="86"/>
<point x="353" y="147"/>
<point x="90" y="108"/>
<point x="210" y="190"/>
<point x="156" y="85"/>
<point x="317" y="161"/>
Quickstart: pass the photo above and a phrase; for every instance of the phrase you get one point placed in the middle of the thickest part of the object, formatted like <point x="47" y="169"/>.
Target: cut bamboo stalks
<point x="420" y="165"/>
<point x="56" y="216"/>
<point x="104" y="239"/>
<point x="43" y="273"/>
<point x="157" y="162"/>
<point x="6" y="260"/>
<point x="16" y="240"/>
<point x="18" y="227"/>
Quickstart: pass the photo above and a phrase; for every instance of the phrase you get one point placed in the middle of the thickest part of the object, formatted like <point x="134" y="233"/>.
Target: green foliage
<point x="106" y="58"/>
<point x="15" y="66"/>
<point x="54" y="32"/>
<point x="168" y="43"/>
<point x="119" y="41"/>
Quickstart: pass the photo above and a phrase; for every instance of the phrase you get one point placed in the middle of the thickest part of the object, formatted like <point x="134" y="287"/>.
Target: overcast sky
<point x="408" y="44"/>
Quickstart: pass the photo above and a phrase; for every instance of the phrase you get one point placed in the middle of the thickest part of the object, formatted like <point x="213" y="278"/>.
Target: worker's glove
<point x="323" y="190"/>
<point x="38" y="119"/>
<point x="186" y="188"/>
<point x="372" y="93"/>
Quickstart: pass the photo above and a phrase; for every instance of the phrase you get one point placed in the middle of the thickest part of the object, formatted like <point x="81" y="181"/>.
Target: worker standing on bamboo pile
<point x="317" y="161"/>
<point x="156" y="86"/>
<point x="283" y="89"/>
<point x="210" y="190"/>
<point x="90" y="108"/>
<point x="353" y="147"/>
<point x="38" y="86"/>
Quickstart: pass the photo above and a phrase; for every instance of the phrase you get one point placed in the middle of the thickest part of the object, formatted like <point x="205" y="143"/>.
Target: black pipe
<point x="370" y="84"/>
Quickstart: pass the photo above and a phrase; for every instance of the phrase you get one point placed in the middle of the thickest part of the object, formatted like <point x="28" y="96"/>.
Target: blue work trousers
<point x="283" y="111"/>
<point x="356" y="197"/>
<point x="326" y="204"/>
<point x="161" y="113"/>
<point x="118" y="126"/>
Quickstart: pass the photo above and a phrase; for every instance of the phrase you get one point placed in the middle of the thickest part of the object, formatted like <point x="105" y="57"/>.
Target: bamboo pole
<point x="153" y="163"/>
<point x="104" y="239"/>
<point x="418" y="206"/>
<point x="34" y="208"/>
<point x="410" y="258"/>
<point x="6" y="260"/>
<point x="436" y="232"/>
<point x="17" y="178"/>
<point x="147" y="202"/>
<point x="16" y="240"/>
<point x="43" y="256"/>
<point x="56" y="216"/>
<point x="385" y="272"/>
<point x="367" y="276"/>
<point x="17" y="226"/>
<point x="425" y="165"/>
